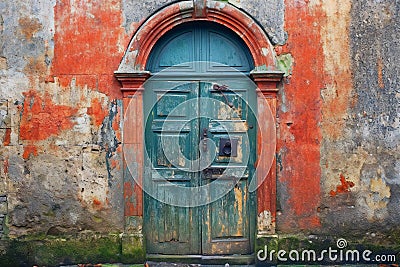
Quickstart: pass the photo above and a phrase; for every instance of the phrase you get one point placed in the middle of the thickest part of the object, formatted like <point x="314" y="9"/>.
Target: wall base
<point x="66" y="250"/>
<point x="97" y="248"/>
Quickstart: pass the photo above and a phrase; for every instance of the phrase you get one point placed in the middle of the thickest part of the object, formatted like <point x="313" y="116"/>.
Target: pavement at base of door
<point x="168" y="264"/>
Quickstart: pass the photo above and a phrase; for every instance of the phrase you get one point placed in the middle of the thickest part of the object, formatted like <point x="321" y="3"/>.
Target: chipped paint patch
<point x="285" y="63"/>
<point x="265" y="222"/>
<point x="129" y="199"/>
<point x="265" y="51"/>
<point x="380" y="67"/>
<point x="30" y="150"/>
<point x="239" y="195"/>
<point x="97" y="112"/>
<point x="344" y="186"/>
<point x="41" y="118"/>
<point x="3" y="63"/>
<point x="376" y="193"/>
<point x="7" y="137"/>
<point x="6" y="164"/>
<point x="377" y="200"/>
<point x="29" y="27"/>
<point x="85" y="34"/>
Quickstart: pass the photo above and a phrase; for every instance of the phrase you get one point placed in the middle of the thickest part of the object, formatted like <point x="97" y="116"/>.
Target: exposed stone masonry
<point x="3" y="214"/>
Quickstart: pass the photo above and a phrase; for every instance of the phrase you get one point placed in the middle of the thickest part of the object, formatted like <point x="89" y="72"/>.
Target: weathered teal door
<point x="200" y="146"/>
<point x="227" y="225"/>
<point x="170" y="141"/>
<point x="201" y="150"/>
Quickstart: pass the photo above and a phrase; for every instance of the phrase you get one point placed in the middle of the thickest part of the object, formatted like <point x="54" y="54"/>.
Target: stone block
<point x="132" y="248"/>
<point x="133" y="224"/>
<point x="4" y="118"/>
<point x="3" y="208"/>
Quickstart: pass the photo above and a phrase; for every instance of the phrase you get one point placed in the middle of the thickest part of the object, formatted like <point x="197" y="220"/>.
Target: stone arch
<point x="158" y="24"/>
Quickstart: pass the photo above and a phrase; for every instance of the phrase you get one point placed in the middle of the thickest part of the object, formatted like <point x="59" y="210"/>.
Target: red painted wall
<point x="299" y="134"/>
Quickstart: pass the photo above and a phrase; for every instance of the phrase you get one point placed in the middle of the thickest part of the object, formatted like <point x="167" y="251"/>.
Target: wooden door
<point x="171" y="140"/>
<point x="227" y="226"/>
<point x="200" y="145"/>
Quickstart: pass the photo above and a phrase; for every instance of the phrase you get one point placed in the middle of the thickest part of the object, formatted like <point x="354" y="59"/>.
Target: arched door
<point x="200" y="144"/>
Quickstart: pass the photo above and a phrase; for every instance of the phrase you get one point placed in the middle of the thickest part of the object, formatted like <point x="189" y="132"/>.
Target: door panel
<point x="170" y="138"/>
<point x="226" y="226"/>
<point x="230" y="209"/>
<point x="179" y="49"/>
<point x="221" y="48"/>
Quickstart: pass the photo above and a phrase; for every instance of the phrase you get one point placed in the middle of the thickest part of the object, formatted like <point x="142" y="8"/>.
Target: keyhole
<point x="227" y="148"/>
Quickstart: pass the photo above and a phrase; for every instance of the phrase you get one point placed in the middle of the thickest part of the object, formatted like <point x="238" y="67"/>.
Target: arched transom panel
<point x="207" y="42"/>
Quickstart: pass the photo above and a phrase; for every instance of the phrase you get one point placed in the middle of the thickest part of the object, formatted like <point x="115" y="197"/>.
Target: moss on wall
<point x="85" y="248"/>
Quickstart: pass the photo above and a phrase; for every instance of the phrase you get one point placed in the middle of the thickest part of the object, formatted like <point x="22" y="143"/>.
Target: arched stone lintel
<point x="137" y="54"/>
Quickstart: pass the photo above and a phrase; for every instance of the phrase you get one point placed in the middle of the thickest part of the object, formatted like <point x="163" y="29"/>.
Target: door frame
<point x="132" y="75"/>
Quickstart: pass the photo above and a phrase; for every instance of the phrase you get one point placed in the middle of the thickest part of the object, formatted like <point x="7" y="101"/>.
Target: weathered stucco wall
<point x="365" y="146"/>
<point x="61" y="113"/>
<point x="339" y="121"/>
<point x="60" y="126"/>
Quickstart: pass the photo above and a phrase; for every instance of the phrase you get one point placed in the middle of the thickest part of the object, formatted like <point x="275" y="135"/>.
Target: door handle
<point x="222" y="89"/>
